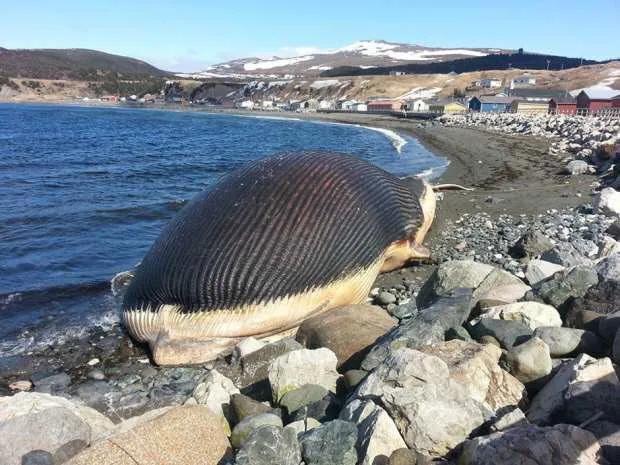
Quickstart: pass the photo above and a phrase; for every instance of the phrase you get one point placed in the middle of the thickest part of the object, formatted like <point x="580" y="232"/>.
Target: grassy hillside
<point x="76" y="64"/>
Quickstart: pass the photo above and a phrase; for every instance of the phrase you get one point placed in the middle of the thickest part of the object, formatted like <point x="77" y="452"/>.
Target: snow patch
<point x="275" y="63"/>
<point x="319" y="67"/>
<point x="603" y="88"/>
<point x="420" y="92"/>
<point x="321" y="84"/>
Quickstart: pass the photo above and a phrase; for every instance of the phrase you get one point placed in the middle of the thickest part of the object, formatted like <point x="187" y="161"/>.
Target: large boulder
<point x="332" y="443"/>
<point x="348" y="331"/>
<point x="377" y="436"/>
<point x="565" y="341"/>
<point x="437" y="399"/>
<point x="534" y="445"/>
<point x="580" y="389"/>
<point x="452" y="275"/>
<point x="244" y="428"/>
<point x="214" y="392"/>
<point x="608" y="435"/>
<point x="575" y="167"/>
<point x="36" y="421"/>
<point x="531" y="244"/>
<point x="564" y="254"/>
<point x="567" y="284"/>
<point x="500" y="287"/>
<point x="507" y="332"/>
<point x="539" y="270"/>
<point x="608" y="202"/>
<point x="530" y="361"/>
<point x="533" y="314"/>
<point x="299" y="367"/>
<point x="270" y="445"/>
<point x="181" y="435"/>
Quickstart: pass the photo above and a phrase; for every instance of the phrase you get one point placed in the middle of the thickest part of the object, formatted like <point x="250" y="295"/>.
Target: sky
<point x="188" y="35"/>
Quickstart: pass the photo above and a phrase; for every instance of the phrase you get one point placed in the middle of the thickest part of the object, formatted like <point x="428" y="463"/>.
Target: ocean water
<point x="85" y="191"/>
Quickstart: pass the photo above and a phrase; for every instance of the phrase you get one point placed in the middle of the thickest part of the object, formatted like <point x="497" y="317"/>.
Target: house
<point x="108" y="98"/>
<point x="524" y="80"/>
<point x="268" y="105"/>
<point x="590" y="103"/>
<point x="446" y="106"/>
<point x="347" y="105"/>
<point x="360" y="106"/>
<point x="381" y="105"/>
<point x="417" y="105"/>
<point x="490" y="103"/>
<point x="538" y="94"/>
<point x="397" y="73"/>
<point x="247" y="105"/>
<point x="488" y="83"/>
<point x="327" y="105"/>
<point x="563" y="106"/>
<point x="529" y="107"/>
<point x="615" y="101"/>
<point x="309" y="105"/>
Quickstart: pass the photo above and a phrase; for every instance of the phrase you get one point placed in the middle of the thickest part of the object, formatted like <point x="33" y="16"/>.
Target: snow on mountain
<point x="364" y="54"/>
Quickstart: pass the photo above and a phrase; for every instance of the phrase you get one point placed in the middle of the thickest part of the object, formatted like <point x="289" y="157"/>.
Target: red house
<point x="563" y="106"/>
<point x="615" y="102"/>
<point x="385" y="105"/>
<point x="592" y="104"/>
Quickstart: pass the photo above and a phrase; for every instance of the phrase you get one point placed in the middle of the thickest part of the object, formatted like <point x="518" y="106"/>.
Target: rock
<point x="533" y="445"/>
<point x="214" y="391"/>
<point x="435" y="409"/>
<point x="332" y="443"/>
<point x="244" y="406"/>
<point x="323" y="410"/>
<point x="246" y="347"/>
<point x="37" y="457"/>
<point x="577" y="167"/>
<point x="614" y="230"/>
<point x="254" y="366"/>
<point x="404" y="310"/>
<point x="245" y="427"/>
<point x="270" y="445"/>
<point x="457" y="332"/>
<point x="581" y="318"/>
<point x="50" y="423"/>
<point x="302" y="397"/>
<point x="608" y="326"/>
<point x="529" y="361"/>
<point x="180" y="436"/>
<point x="500" y="287"/>
<point x="452" y="275"/>
<point x="615" y="348"/>
<point x="581" y="387"/>
<point x="348" y="331"/>
<point x="294" y="369"/>
<point x="608" y="435"/>
<point x="531" y="244"/>
<point x="353" y="377"/>
<point x="385" y="298"/>
<point x="54" y="384"/>
<point x="507" y="332"/>
<point x="69" y="450"/>
<point x="21" y="385"/>
<point x="539" y="270"/>
<point x="489" y="340"/>
<point x="96" y="374"/>
<point x="511" y="419"/>
<point x="301" y="426"/>
<point x="406" y="457"/>
<point x="564" y="254"/>
<point x="567" y="284"/>
<point x="532" y="314"/>
<point x="565" y="341"/>
<point x="608" y="202"/>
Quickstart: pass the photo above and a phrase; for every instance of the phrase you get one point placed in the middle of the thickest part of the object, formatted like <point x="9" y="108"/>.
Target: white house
<point x="268" y="105"/>
<point x="347" y="105"/>
<point x="488" y="83"/>
<point x="360" y="106"/>
<point x="247" y="104"/>
<point x="417" y="105"/>
<point x="327" y="105"/>
<point x="524" y="80"/>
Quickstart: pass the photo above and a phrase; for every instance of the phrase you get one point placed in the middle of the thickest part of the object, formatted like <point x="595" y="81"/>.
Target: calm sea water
<point x="85" y="191"/>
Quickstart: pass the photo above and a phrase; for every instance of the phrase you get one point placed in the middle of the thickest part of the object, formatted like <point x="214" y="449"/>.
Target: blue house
<point x="490" y="103"/>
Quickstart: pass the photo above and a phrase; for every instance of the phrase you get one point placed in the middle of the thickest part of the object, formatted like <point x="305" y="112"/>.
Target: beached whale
<point x="272" y="244"/>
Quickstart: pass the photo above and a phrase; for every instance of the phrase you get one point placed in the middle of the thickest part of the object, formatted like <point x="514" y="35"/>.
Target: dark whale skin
<point x="278" y="227"/>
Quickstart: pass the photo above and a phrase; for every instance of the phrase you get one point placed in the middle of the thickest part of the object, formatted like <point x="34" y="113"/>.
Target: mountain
<point x="74" y="63"/>
<point x="363" y="55"/>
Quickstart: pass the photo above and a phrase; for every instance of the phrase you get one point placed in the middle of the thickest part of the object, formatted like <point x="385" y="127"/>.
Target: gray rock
<point x="37" y="457"/>
<point x="403" y="311"/>
<point x="615" y="348"/>
<point x="511" y="419"/>
<point x="270" y="445"/>
<point x="50" y="423"/>
<point x="452" y="275"/>
<point x="255" y="365"/>
<point x="385" y="298"/>
<point x="500" y="287"/>
<point x="302" y="397"/>
<point x="323" y="410"/>
<point x="302" y="426"/>
<point x="608" y="326"/>
<point x="244" y="428"/>
<point x="608" y="202"/>
<point x="565" y="341"/>
<point x="299" y="367"/>
<point x="243" y="406"/>
<point x="531" y="244"/>
<point x="332" y="443"/>
<point x="575" y="167"/>
<point x="214" y="391"/>
<point x="608" y="435"/>
<point x="507" y="332"/>
<point x="539" y="270"/>
<point x="529" y="361"/>
<point x="567" y="284"/>
<point x="533" y="445"/>
<point x="96" y="374"/>
<point x="54" y="384"/>
<point x="353" y="377"/>
<point x="457" y="332"/>
<point x="532" y="314"/>
<point x="564" y="254"/>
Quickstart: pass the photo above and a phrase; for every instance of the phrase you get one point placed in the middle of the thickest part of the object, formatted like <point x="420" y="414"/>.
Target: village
<point x="488" y="95"/>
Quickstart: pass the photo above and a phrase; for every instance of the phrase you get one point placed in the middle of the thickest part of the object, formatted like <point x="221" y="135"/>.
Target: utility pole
<point x="548" y="62"/>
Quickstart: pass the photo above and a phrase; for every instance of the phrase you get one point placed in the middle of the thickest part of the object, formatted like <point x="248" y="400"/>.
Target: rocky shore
<point x="504" y="351"/>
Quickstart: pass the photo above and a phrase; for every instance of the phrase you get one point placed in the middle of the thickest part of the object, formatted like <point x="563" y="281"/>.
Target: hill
<point x="364" y="56"/>
<point x="73" y="64"/>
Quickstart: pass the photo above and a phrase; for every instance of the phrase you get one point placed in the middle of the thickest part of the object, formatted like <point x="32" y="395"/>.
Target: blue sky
<point x="187" y="35"/>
